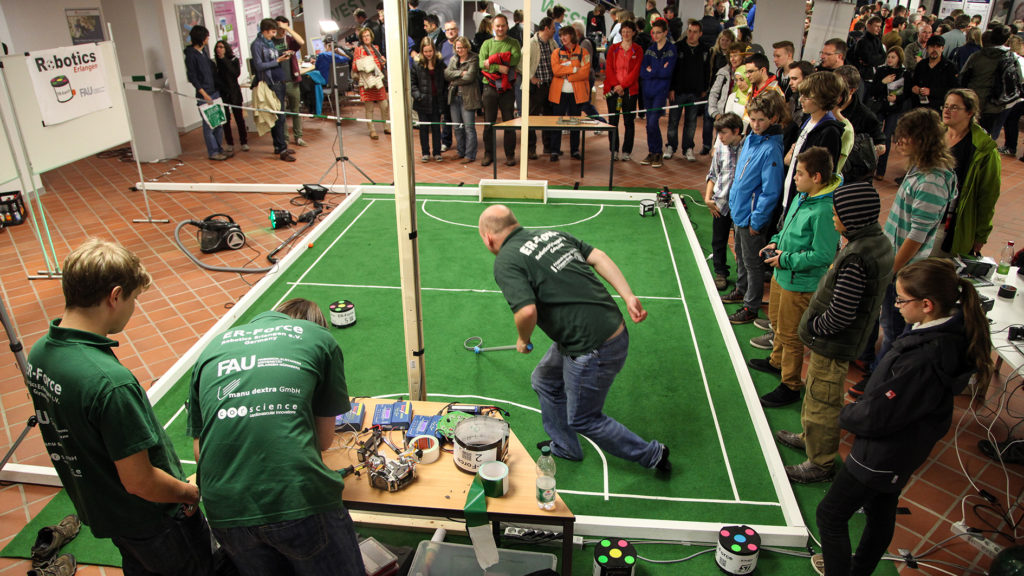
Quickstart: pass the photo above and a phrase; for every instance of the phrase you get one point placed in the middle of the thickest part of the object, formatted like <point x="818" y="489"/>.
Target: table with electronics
<point x="1004" y="314"/>
<point x="440" y="488"/>
<point x="556" y="123"/>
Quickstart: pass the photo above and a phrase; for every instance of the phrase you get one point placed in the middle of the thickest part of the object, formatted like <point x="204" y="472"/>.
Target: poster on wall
<point x="276" y="8"/>
<point x="227" y="24"/>
<point x="980" y="8"/>
<point x="189" y="15"/>
<point x="85" y="25"/>
<point x="68" y="82"/>
<point x="253" y="14"/>
<point x="948" y="6"/>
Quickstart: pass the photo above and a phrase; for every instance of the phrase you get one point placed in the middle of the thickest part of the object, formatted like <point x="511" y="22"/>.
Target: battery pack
<point x="423" y="426"/>
<point x="401" y="415"/>
<point x="351" y="421"/>
<point x="382" y="415"/>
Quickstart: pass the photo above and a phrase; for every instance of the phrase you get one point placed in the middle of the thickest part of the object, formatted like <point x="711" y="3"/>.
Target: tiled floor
<point x="93" y="197"/>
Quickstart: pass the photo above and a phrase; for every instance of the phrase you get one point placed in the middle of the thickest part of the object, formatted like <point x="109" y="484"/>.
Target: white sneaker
<point x="667" y="155"/>
<point x="625" y="158"/>
<point x="615" y="155"/>
<point x="444" y="148"/>
<point x="689" y="155"/>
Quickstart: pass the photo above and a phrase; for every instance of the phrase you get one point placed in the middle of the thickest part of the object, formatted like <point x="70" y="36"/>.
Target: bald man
<point x="548" y="279"/>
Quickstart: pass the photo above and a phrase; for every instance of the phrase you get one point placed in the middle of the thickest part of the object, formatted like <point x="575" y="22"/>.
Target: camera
<point x="769" y="253"/>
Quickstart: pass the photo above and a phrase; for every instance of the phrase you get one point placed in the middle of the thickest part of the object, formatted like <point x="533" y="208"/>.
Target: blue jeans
<point x="749" y="266"/>
<point x="689" y="123"/>
<point x="653" y="116"/>
<point x="277" y="132"/>
<point x="572" y="391"/>
<point x="891" y="322"/>
<point x="181" y="547"/>
<point x="465" y="137"/>
<point x="844" y="498"/>
<point x="318" y="545"/>
<point x="213" y="136"/>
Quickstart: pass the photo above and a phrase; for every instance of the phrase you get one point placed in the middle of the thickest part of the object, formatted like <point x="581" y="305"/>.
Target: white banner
<point x="68" y="82"/>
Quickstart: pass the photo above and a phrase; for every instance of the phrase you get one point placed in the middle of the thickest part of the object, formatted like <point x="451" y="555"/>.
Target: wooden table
<point x="440" y="488"/>
<point x="552" y="123"/>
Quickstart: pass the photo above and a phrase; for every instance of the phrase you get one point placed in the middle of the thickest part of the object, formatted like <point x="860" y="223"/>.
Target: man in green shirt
<point x="499" y="59"/>
<point x="108" y="448"/>
<point x="262" y="404"/>
<point x="548" y="279"/>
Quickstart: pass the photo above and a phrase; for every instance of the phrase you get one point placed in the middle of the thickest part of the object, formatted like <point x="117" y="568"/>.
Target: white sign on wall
<point x="68" y="82"/>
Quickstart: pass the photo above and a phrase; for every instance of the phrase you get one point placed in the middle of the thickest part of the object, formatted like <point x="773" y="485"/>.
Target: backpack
<point x="861" y="163"/>
<point x="1006" y="85"/>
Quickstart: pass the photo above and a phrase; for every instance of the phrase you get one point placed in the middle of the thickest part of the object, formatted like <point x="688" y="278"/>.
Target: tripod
<point x="340" y="158"/>
<point x="19" y="355"/>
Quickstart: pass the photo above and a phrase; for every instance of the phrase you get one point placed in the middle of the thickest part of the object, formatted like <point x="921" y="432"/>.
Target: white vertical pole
<point x="525" y="83"/>
<point x="395" y="23"/>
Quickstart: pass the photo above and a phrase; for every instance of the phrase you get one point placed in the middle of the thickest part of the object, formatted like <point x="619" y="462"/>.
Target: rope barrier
<point x="148" y="88"/>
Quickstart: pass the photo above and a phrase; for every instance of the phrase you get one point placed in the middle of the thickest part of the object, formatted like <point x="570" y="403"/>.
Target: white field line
<point x="700" y="360"/>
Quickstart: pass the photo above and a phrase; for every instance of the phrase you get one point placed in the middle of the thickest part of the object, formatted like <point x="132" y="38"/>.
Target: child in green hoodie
<point x="800" y="253"/>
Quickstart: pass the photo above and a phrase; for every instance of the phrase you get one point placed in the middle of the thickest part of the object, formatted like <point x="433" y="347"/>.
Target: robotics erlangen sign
<point x="68" y="82"/>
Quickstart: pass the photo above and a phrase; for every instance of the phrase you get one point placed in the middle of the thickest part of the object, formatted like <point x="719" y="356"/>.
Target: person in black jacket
<point x="869" y="53"/>
<point x="428" y="97"/>
<point x="688" y="86"/>
<point x="886" y="97"/>
<point x="225" y="78"/>
<point x="906" y="408"/>
<point x="932" y="77"/>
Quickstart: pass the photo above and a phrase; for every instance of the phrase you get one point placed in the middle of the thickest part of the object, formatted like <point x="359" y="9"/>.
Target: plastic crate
<point x="460" y="559"/>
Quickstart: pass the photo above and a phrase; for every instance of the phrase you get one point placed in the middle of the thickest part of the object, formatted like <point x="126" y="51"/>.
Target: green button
<point x="606" y="543"/>
<point x="736" y="548"/>
<point x="629" y="559"/>
<point x="602" y="559"/>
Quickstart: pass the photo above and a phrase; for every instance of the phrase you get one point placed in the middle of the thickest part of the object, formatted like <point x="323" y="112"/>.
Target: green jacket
<point x="808" y="240"/>
<point x="978" y="194"/>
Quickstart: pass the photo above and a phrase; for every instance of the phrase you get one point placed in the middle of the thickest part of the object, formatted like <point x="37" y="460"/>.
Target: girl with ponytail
<point x="906" y="408"/>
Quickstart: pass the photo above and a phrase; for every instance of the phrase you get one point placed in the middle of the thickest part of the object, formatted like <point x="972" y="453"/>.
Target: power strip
<point x="551" y="538"/>
<point x="978" y="539"/>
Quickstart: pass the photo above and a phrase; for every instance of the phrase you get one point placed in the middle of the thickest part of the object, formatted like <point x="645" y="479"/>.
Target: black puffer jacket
<point x="429" y="93"/>
<point x="907" y="404"/>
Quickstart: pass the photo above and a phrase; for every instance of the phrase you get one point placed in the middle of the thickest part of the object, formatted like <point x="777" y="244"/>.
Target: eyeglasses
<point x="952" y="108"/>
<point x="901" y="301"/>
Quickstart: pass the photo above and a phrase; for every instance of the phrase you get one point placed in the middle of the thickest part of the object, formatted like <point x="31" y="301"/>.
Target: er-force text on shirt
<point x="551" y="242"/>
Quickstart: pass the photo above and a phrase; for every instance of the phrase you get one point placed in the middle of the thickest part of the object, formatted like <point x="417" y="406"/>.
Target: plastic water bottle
<point x="1005" y="258"/>
<point x="546" y="480"/>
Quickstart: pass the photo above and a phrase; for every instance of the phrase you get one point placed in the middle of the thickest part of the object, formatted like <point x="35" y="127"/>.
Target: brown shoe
<point x="510" y="162"/>
<point x="373" y="135"/>
<point x="808" y="473"/>
<point x="51" y="538"/>
<point x="794" y="441"/>
<point x="487" y="161"/>
<point x="467" y="161"/>
<point x="63" y="565"/>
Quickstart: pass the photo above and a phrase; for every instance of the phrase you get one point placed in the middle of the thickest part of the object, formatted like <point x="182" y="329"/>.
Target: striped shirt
<point x="851" y="280"/>
<point x="722" y="172"/>
<point x="919" y="208"/>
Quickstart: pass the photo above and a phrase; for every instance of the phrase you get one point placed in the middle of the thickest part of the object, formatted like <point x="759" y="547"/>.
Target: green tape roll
<point x="494" y="477"/>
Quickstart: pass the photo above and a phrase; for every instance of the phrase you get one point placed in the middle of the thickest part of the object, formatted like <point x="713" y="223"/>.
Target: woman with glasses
<point x="886" y="94"/>
<point x="978" y="177"/>
<point x="906" y="408"/>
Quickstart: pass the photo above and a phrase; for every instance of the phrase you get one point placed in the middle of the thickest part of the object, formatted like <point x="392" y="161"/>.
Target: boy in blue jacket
<point x="755" y="190"/>
<point x="655" y="80"/>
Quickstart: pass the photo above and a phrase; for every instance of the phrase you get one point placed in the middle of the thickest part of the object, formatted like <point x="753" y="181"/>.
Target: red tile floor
<point x="92" y="197"/>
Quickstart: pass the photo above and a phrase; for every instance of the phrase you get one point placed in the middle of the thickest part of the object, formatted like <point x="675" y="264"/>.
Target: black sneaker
<point x="721" y="282"/>
<point x="856" y="391"/>
<point x="647" y="160"/>
<point x="743" y="316"/>
<point x="765" y="365"/>
<point x="705" y="151"/>
<point x="1010" y="452"/>
<point x="782" y="396"/>
<point x="733" y="297"/>
<point x="663" y="465"/>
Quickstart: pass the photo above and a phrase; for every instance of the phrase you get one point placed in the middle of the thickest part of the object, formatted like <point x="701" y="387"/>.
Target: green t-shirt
<point x="91" y="413"/>
<point x="549" y="269"/>
<point x="255" y="393"/>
